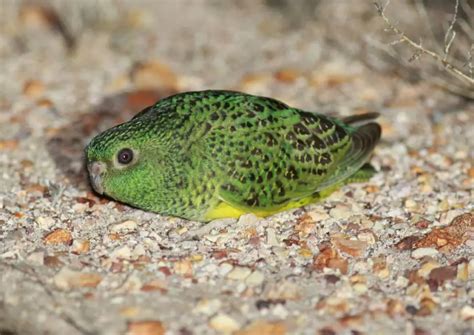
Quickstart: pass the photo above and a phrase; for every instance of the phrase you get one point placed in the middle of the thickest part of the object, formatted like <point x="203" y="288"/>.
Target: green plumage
<point x="194" y="151"/>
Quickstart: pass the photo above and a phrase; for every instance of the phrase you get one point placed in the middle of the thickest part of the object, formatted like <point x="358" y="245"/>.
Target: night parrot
<point x="216" y="154"/>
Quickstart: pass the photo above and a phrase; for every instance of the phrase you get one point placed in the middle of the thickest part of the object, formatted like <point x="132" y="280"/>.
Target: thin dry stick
<point x="450" y="87"/>
<point x="449" y="40"/>
<point x="404" y="38"/>
<point x="469" y="64"/>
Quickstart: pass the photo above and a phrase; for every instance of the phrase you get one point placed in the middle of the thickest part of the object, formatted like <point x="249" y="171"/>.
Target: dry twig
<point x="469" y="64"/>
<point x="448" y="41"/>
<point x="420" y="49"/>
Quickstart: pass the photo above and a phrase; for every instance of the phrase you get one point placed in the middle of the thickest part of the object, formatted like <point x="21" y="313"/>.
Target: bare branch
<point x="397" y="41"/>
<point x="416" y="55"/>
<point x="380" y="8"/>
<point x="469" y="64"/>
<point x="457" y="72"/>
<point x="448" y="41"/>
<point x="448" y="46"/>
<point x="457" y="88"/>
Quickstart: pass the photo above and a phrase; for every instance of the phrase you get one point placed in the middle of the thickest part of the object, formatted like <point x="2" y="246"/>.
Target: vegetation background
<point x="390" y="256"/>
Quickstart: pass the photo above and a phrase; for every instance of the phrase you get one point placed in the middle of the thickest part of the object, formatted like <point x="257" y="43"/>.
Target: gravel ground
<point x="390" y="256"/>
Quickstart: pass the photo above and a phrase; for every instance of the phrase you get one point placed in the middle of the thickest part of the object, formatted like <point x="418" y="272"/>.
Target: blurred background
<point x="81" y="66"/>
<point x="74" y="263"/>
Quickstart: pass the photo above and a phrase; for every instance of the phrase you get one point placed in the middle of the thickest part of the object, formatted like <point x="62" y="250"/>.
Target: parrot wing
<point x="274" y="154"/>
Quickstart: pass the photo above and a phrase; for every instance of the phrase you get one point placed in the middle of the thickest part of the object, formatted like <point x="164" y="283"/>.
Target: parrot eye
<point x="125" y="156"/>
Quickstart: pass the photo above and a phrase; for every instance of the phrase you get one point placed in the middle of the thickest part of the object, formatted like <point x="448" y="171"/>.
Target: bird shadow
<point x="66" y="144"/>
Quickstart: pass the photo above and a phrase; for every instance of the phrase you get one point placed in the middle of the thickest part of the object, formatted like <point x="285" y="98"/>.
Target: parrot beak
<point x="96" y="171"/>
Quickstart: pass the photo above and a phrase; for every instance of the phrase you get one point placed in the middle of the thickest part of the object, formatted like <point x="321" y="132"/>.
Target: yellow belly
<point x="225" y="210"/>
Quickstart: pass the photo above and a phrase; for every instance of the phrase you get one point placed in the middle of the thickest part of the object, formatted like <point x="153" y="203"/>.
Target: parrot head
<point x="127" y="164"/>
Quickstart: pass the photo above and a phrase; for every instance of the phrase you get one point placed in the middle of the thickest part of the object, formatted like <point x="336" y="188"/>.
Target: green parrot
<point x="217" y="154"/>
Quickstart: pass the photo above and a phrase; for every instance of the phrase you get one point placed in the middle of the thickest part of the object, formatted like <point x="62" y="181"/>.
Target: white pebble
<point x="256" y="278"/>
<point x="138" y="251"/>
<point x="470" y="268"/>
<point x="225" y="268"/>
<point x="271" y="237"/>
<point x="341" y="212"/>
<point x="248" y="219"/>
<point x="318" y="215"/>
<point x="207" y="306"/>
<point x="467" y="313"/>
<point x="124" y="227"/>
<point x="280" y="311"/>
<point x="422" y="252"/>
<point x="36" y="257"/>
<point x="122" y="253"/>
<point x="224" y="323"/>
<point x="239" y="273"/>
<point x="402" y="282"/>
<point x="45" y="222"/>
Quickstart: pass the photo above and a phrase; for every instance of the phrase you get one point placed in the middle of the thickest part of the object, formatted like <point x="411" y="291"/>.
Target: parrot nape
<point x="216" y="154"/>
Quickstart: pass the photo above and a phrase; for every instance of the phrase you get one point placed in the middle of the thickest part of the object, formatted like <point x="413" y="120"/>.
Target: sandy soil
<point x="390" y="256"/>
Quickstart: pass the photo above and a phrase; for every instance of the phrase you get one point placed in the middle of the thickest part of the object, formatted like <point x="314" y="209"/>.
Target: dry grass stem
<point x="420" y="49"/>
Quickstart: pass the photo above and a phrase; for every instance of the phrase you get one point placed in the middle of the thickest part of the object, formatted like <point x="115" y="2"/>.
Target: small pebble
<point x="239" y="273"/>
<point x="341" y="212"/>
<point x="80" y="207"/>
<point x="318" y="215"/>
<point x="58" y="236"/>
<point x="467" y="313"/>
<point x="248" y="219"/>
<point x="45" y="222"/>
<point x="67" y="279"/>
<point x="360" y="288"/>
<point x="423" y="252"/>
<point x="33" y="88"/>
<point x="123" y="252"/>
<point x="402" y="282"/>
<point x="470" y="268"/>
<point x="208" y="306"/>
<point x="280" y="311"/>
<point x="470" y="244"/>
<point x="138" y="251"/>
<point x="426" y="268"/>
<point x="145" y="328"/>
<point x="132" y="284"/>
<point x="225" y="268"/>
<point x="271" y="237"/>
<point x="36" y="257"/>
<point x="256" y="278"/>
<point x="224" y="323"/>
<point x="124" y="227"/>
<point x="463" y="271"/>
<point x="184" y="267"/>
<point x="80" y="246"/>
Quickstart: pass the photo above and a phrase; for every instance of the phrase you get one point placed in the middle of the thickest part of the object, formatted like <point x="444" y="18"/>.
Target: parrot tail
<point x="364" y="140"/>
<point x="361" y="118"/>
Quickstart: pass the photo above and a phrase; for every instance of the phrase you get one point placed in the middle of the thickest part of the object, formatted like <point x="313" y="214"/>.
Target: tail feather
<point x="360" y="118"/>
<point x="367" y="136"/>
<point x="364" y="140"/>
